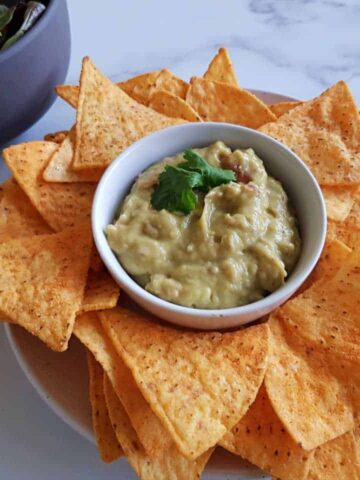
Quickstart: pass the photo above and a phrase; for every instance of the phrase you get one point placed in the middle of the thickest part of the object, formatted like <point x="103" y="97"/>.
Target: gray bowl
<point x="31" y="68"/>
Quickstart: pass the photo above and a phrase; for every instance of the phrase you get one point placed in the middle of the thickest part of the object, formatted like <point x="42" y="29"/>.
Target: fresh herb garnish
<point x="15" y="21"/>
<point x="212" y="176"/>
<point x="175" y="189"/>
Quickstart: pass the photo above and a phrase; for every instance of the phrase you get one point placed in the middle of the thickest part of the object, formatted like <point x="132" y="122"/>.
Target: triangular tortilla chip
<point x="18" y="217"/>
<point x="326" y="315"/>
<point x="220" y="102"/>
<point x="336" y="460"/>
<point x="310" y="402"/>
<point x="212" y="377"/>
<point x="61" y="205"/>
<point x="57" y="137"/>
<point x="331" y="260"/>
<point x="153" y="437"/>
<point x="101" y="292"/>
<point x="280" y="108"/>
<point x="170" y="464"/>
<point x="69" y="93"/>
<point x="108" y="120"/>
<point x="168" y="82"/>
<point x="325" y="133"/>
<point x="42" y="282"/>
<point x="59" y="167"/>
<point x="139" y="87"/>
<point x="339" y="202"/>
<point x="261" y="439"/>
<point x="108" y="445"/>
<point x="221" y="69"/>
<point x="172" y="106"/>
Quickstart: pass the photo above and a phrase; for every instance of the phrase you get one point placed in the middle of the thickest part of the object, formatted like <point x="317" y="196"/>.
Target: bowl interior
<point x="279" y="161"/>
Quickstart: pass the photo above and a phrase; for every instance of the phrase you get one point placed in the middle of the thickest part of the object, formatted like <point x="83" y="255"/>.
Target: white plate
<point x="61" y="381"/>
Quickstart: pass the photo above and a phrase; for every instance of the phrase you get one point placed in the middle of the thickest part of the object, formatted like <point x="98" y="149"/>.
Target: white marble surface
<point x="294" y="47"/>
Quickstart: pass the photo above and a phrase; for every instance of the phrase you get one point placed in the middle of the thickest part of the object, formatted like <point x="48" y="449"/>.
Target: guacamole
<point x="236" y="246"/>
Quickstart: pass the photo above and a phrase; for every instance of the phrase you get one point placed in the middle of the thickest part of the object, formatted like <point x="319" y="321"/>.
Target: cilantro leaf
<point x="174" y="191"/>
<point x="212" y="176"/>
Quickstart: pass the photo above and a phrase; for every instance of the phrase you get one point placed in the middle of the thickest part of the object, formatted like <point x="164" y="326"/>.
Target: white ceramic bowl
<point x="279" y="161"/>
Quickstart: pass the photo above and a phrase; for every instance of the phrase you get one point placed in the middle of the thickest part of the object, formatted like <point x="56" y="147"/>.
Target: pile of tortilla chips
<point x="283" y="394"/>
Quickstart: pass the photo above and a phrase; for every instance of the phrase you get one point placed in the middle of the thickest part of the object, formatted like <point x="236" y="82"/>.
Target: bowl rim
<point x="128" y="283"/>
<point x="36" y="29"/>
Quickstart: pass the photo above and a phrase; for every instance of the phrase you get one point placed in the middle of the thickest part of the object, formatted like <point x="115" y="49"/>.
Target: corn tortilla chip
<point x="59" y="167"/>
<point x="168" y="82"/>
<point x="310" y="402"/>
<point x="261" y="439"/>
<point x="280" y="108"/>
<point x="57" y="137"/>
<point x="336" y="460"/>
<point x="221" y="69"/>
<point x="137" y="88"/>
<point x="324" y="132"/>
<point x="220" y="102"/>
<point x="61" y="205"/>
<point x="331" y="260"/>
<point x="212" y="377"/>
<point x="339" y="202"/>
<point x="101" y="292"/>
<point x="172" y="106"/>
<point x="18" y="218"/>
<point x="42" y="282"/>
<point x="108" y="445"/>
<point x="152" y="435"/>
<point x="326" y="315"/>
<point x="69" y="93"/>
<point x="169" y="465"/>
<point x="108" y="120"/>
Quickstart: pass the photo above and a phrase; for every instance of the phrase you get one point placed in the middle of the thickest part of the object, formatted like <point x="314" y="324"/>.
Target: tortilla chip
<point x="108" y="120"/>
<point x="310" y="402"/>
<point x="61" y="205"/>
<point x="326" y="315"/>
<point x="137" y="88"/>
<point x="336" y="460"/>
<point x="339" y="202"/>
<point x="101" y="292"/>
<point x="18" y="218"/>
<point x="280" y="108"/>
<point x="57" y="137"/>
<point x="42" y="282"/>
<point x="59" y="167"/>
<point x="219" y="102"/>
<point x="188" y="378"/>
<point x="152" y="435"/>
<point x="261" y="439"/>
<point x="168" y="82"/>
<point x="107" y="443"/>
<point x="172" y="106"/>
<point x="331" y="260"/>
<point x="69" y="93"/>
<point x="324" y="132"/>
<point x="221" y="69"/>
<point x="163" y="467"/>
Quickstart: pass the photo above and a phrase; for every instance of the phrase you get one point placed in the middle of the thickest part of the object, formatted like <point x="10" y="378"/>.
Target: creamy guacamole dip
<point x="238" y="245"/>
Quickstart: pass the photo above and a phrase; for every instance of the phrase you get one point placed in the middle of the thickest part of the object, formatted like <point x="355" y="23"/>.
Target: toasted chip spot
<point x="221" y="69"/>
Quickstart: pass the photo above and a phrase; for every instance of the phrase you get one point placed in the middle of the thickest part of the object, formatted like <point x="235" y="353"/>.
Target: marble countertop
<point x="294" y="47"/>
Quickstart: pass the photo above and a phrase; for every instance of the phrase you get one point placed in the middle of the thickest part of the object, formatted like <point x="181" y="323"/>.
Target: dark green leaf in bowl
<point x="31" y="15"/>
